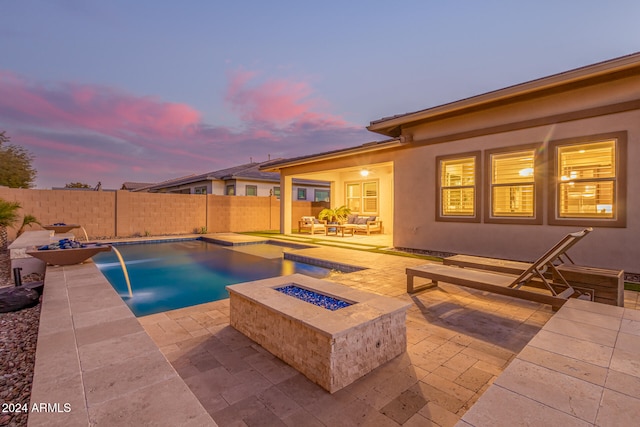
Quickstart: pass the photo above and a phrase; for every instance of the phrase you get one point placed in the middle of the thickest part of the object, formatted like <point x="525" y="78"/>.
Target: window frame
<point x="477" y="215"/>
<point x="315" y="195"/>
<point x="620" y="182"/>
<point x="276" y="192"/>
<point x="230" y="190"/>
<point x="538" y="186"/>
<point x="302" y="191"/>
<point x="362" y="197"/>
<point x="252" y="187"/>
<point x="200" y="190"/>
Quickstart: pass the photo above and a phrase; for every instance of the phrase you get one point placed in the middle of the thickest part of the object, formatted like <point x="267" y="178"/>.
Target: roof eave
<point x="392" y="126"/>
<point x="366" y="148"/>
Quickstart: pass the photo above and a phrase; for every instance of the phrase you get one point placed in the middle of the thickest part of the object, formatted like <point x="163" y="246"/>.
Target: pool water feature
<point x="169" y="275"/>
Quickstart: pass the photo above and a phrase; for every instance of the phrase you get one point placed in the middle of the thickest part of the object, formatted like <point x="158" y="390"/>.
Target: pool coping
<point x="83" y="319"/>
<point x="91" y="350"/>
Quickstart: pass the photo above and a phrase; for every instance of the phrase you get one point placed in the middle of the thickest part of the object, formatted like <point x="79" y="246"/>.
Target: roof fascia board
<point x="334" y="155"/>
<point x="392" y="125"/>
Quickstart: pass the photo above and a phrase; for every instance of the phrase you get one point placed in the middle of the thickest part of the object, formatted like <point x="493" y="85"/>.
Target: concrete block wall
<point x="240" y="213"/>
<point x="94" y="210"/>
<point x="123" y="214"/>
<point x="159" y="213"/>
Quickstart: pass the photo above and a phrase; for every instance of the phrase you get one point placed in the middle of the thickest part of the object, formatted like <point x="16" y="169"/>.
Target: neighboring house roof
<point x="134" y="185"/>
<point x="615" y="68"/>
<point x="163" y="184"/>
<point x="248" y="171"/>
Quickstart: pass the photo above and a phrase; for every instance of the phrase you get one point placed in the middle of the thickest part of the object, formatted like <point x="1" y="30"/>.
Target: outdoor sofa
<point x="365" y="224"/>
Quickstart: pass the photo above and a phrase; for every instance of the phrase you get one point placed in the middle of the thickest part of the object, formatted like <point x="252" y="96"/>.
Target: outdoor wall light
<point x="364" y="172"/>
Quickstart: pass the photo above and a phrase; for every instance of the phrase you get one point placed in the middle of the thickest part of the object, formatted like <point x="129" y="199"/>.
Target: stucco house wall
<point x="582" y="111"/>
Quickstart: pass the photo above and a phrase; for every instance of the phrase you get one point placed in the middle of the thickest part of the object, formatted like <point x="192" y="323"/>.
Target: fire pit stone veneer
<point x="331" y="348"/>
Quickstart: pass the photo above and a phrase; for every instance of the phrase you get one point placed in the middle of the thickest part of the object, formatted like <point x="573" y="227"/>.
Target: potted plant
<point x="335" y="215"/>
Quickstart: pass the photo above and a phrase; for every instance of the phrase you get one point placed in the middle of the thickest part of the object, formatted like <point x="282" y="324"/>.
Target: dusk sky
<point x="149" y="90"/>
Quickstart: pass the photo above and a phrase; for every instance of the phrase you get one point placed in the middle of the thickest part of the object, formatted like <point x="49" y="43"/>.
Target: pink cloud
<point x="113" y="136"/>
<point x="96" y="108"/>
<point x="277" y="102"/>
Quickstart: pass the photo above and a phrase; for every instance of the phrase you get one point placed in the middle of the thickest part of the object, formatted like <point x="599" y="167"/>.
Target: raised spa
<point x="331" y="348"/>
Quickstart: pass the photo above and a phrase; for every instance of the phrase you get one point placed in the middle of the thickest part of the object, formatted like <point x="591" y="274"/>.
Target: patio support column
<point x="333" y="198"/>
<point x="286" y="194"/>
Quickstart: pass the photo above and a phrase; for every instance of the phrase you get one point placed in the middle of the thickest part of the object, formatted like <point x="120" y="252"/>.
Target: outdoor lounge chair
<point x="556" y="295"/>
<point x="515" y="267"/>
<point x="311" y="224"/>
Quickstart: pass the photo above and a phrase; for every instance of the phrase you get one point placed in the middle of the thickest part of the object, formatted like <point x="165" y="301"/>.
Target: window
<point x="276" y="192"/>
<point x="458" y="187"/>
<point x="362" y="197"/>
<point x="321" y="196"/>
<point x="302" y="194"/>
<point x="200" y="190"/>
<point x="354" y="197"/>
<point x="230" y="190"/>
<point x="251" y="190"/>
<point x="513" y="188"/>
<point x="590" y="181"/>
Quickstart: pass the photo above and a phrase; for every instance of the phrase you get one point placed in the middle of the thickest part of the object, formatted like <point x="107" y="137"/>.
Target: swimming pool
<point x="170" y="275"/>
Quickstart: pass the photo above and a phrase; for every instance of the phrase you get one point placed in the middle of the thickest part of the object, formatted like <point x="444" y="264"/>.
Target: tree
<point x="27" y="221"/>
<point x="76" y="185"/>
<point x="15" y="165"/>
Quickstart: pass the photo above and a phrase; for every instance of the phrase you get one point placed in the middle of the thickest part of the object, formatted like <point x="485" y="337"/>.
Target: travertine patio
<point x="459" y="341"/>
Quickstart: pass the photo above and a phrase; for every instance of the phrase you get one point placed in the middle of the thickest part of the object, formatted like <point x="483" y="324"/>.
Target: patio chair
<point x="510" y="285"/>
<point x="311" y="224"/>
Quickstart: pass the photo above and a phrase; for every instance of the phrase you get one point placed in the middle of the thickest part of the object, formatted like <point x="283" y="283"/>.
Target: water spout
<point x="124" y="270"/>
<point x="85" y="233"/>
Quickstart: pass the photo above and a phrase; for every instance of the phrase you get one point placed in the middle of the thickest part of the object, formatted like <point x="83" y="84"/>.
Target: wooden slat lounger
<point x="507" y="284"/>
<point x="514" y="267"/>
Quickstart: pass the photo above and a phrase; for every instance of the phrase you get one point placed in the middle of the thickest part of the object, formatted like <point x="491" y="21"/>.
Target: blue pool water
<point x="170" y="275"/>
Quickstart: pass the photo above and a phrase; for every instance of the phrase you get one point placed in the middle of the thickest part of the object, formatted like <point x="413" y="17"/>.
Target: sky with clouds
<point x="149" y="90"/>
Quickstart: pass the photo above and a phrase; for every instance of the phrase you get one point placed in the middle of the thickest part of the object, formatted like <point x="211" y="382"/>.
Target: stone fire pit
<point x="331" y="348"/>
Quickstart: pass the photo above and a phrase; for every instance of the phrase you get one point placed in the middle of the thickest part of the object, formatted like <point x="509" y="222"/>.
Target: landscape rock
<point x="17" y="298"/>
<point x="18" y="340"/>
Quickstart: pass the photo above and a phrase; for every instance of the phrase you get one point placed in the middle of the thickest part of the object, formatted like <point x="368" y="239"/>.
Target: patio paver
<point x="459" y="342"/>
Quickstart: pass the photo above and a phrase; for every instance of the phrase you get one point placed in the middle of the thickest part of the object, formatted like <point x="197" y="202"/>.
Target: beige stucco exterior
<point x="600" y="99"/>
<point x="414" y="169"/>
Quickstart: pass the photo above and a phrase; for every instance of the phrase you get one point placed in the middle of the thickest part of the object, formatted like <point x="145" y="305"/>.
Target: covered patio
<point x="361" y="178"/>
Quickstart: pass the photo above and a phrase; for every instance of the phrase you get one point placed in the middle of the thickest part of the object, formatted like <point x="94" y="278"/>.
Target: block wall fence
<point x="107" y="214"/>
